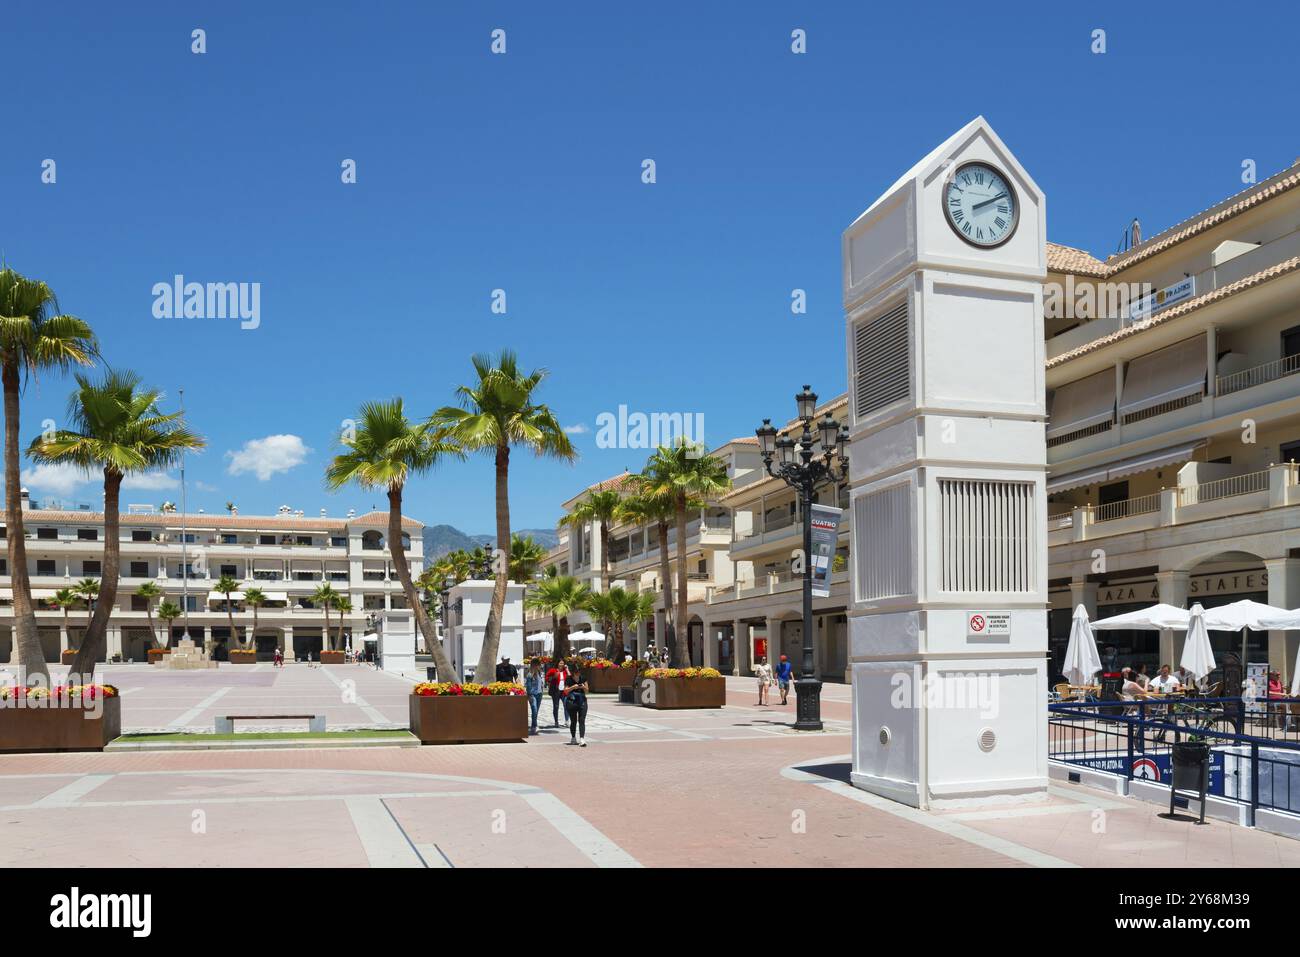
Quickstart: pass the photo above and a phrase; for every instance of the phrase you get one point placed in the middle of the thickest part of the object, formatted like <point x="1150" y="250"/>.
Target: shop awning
<point x="1082" y="403"/>
<point x="1164" y="375"/>
<point x="1173" y="455"/>
<point x="7" y="594"/>
<point x="221" y="596"/>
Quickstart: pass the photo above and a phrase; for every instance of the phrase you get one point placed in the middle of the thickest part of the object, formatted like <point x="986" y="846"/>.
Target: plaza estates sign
<point x="1229" y="583"/>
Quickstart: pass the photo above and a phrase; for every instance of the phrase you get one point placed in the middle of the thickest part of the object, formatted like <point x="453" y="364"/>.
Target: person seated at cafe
<point x="1165" y="682"/>
<point x="1142" y="677"/>
<point x="1130" y="689"/>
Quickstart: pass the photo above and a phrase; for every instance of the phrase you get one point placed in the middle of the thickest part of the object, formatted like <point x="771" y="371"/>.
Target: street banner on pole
<point x="825" y="533"/>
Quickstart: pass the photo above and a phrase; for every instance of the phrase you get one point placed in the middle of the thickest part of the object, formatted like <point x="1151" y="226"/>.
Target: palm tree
<point x="168" y="612"/>
<point x="254" y="598"/>
<point x="65" y="598"/>
<point x="627" y="608"/>
<point x="526" y="553"/>
<point x="88" y="589"/>
<point x="118" y="428"/>
<point x="149" y="591"/>
<point x="34" y="337"/>
<point x="559" y="597"/>
<point x="601" y="505"/>
<point x="228" y="586"/>
<point x="646" y="508"/>
<point x="383" y="451"/>
<point x="497" y="413"/>
<point x="600" y="605"/>
<point x="325" y="596"/>
<point x="343" y="605"/>
<point x="684" y="474"/>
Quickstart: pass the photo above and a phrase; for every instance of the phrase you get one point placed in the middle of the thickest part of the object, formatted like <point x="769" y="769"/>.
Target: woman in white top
<point x="763" y="672"/>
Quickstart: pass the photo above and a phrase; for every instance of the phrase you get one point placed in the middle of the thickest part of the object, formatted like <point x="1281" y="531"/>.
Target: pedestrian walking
<point x="763" y="672"/>
<point x="574" y="690"/>
<point x="553" y="686"/>
<point x="279" y="658"/>
<point x="506" y="671"/>
<point x="784" y="675"/>
<point x="534" y="682"/>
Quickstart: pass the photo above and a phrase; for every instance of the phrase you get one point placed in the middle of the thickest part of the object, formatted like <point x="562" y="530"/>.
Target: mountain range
<point x="441" y="539"/>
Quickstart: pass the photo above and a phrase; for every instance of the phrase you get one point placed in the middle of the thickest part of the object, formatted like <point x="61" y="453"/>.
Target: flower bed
<point x="68" y="655"/>
<point x="333" y="657"/>
<point x="446" y="712"/>
<point x="667" y="689"/>
<point x="63" y="718"/>
<point x="241" y="656"/>
<point x="606" y="677"/>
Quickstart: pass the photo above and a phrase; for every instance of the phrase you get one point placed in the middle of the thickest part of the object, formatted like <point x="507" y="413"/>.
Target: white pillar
<point x="1172" y="589"/>
<point x="1283" y="592"/>
<point x="742" y="659"/>
<point x="1084" y="593"/>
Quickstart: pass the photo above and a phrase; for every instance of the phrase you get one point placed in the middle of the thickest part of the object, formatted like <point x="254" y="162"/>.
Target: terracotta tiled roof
<point x="193" y="520"/>
<point x="1207" y="219"/>
<point x="1067" y="259"/>
<point x="1160" y="318"/>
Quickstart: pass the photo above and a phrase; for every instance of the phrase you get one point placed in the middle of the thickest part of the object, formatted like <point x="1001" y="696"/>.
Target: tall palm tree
<point x="343" y="605"/>
<point x="686" y="475"/>
<point x="227" y="585"/>
<point x="149" y="592"/>
<point x="600" y="606"/>
<point x="254" y="598"/>
<point x="168" y="612"/>
<point x="88" y="589"/>
<point x="601" y="505"/>
<point x="645" y="507"/>
<point x="118" y="428"/>
<point x="324" y="596"/>
<point x="384" y="451"/>
<point x="498" y="412"/>
<point x="65" y="598"/>
<point x="627" y="608"/>
<point x="526" y="553"/>
<point x="559" y="597"/>
<point x="34" y="337"/>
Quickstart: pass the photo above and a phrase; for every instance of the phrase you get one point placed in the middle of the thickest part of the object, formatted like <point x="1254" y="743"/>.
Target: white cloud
<point x="579" y="429"/>
<point x="150" y="481"/>
<point x="60" y="478"/>
<point x="265" y="457"/>
<point x="204" y="486"/>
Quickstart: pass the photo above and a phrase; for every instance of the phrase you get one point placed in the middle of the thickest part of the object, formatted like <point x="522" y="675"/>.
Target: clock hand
<point x="989" y="201"/>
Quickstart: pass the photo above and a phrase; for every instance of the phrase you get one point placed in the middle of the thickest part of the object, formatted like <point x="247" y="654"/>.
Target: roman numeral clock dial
<point x="980" y="205"/>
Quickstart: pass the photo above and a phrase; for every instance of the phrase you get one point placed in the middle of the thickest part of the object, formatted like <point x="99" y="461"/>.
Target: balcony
<point x="1259" y="375"/>
<point x="1274" y="487"/>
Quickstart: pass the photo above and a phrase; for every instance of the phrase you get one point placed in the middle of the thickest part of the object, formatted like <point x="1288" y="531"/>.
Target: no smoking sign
<point x="988" y="626"/>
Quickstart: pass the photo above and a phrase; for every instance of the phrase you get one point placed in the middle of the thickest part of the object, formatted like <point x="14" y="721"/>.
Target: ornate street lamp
<point x="800" y="467"/>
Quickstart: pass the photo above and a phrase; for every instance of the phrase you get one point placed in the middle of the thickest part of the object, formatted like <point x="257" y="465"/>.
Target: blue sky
<point x="522" y="172"/>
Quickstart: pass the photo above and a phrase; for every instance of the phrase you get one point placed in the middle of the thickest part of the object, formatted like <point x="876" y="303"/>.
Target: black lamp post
<point x="799" y="466"/>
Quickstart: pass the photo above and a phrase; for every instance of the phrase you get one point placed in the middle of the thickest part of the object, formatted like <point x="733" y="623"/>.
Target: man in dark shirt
<point x="506" y="671"/>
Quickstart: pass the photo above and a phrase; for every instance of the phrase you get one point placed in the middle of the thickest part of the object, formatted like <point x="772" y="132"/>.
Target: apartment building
<point x="742" y="597"/>
<point x="287" y="555"/>
<point x="1174" y="424"/>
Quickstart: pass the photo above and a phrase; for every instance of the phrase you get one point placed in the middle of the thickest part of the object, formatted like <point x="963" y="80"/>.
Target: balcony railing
<point x="1141" y="505"/>
<point x="1224" y="488"/>
<point x="1247" y="378"/>
<point x="779" y="521"/>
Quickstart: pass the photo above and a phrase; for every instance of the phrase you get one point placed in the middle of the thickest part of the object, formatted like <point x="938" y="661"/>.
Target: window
<point x="338" y="541"/>
<point x="141" y="535"/>
<point x="47" y="533"/>
<point x="230" y="570"/>
<point x="986" y="536"/>
<point x="139" y="570"/>
<point x="189" y="538"/>
<point x="4" y="533"/>
<point x="304" y="540"/>
<point x="882" y="361"/>
<point x="228" y="539"/>
<point x="45" y="566"/>
<point x="1291" y="342"/>
<point x="87" y="534"/>
<point x="266" y="539"/>
<point x="397" y="601"/>
<point x="1290" y="452"/>
<point x="90" y="568"/>
<point x="139" y="604"/>
<point x="4" y="566"/>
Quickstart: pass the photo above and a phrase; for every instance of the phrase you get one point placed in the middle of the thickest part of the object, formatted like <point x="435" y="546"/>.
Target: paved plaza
<point x="687" y="788"/>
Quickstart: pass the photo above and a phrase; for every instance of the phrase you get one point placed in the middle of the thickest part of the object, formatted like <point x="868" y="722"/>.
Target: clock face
<point x="980" y="205"/>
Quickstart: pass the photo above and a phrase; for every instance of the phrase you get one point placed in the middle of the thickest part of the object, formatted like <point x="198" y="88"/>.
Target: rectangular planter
<point x="59" y="729"/>
<point x="332" y="658"/>
<point x="477" y="719"/>
<point x="68" y="655"/>
<point x="669" y="694"/>
<point x="243" y="658"/>
<point x="608" y="680"/>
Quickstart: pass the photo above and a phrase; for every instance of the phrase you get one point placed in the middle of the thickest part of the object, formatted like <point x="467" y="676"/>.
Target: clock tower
<point x="943" y="305"/>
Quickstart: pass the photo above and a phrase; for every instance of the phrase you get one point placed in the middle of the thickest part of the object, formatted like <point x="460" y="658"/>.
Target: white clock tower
<point x="948" y="628"/>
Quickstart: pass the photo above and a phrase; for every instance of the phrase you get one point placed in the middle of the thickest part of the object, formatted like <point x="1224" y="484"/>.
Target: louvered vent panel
<point x="987" y="536"/>
<point x="882" y="543"/>
<point x="881" y="361"/>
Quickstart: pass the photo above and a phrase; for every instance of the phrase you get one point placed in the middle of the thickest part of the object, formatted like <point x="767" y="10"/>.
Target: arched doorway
<point x="1221" y="579"/>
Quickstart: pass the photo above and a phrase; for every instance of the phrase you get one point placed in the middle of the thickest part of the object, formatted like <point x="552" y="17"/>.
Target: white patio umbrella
<point x="1286" y="621"/>
<point x="1081" y="658"/>
<point x="545" y="637"/>
<point x="1240" y="615"/>
<point x="1154" y="618"/>
<point x="1198" y="656"/>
